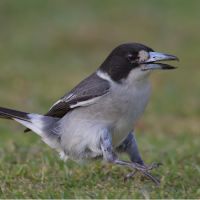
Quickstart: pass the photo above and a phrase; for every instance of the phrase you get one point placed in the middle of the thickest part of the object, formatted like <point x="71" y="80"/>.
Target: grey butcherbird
<point x="98" y="116"/>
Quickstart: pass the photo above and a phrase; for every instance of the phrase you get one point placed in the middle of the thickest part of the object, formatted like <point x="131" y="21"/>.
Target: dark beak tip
<point x="169" y="67"/>
<point x="172" y="58"/>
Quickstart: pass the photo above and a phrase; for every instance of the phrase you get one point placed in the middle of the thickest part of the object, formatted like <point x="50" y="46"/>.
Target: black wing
<point x="85" y="93"/>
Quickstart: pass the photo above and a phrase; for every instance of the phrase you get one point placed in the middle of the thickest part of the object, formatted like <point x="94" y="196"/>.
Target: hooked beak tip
<point x="172" y="57"/>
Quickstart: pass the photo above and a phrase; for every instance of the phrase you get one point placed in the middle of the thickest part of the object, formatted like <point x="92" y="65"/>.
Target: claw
<point x="154" y="166"/>
<point x="152" y="178"/>
<point x="130" y="175"/>
<point x="144" y="169"/>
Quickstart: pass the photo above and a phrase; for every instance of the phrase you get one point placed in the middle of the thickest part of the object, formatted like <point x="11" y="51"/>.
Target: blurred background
<point x="47" y="47"/>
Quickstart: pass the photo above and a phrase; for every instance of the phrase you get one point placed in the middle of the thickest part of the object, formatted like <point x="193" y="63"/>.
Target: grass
<point x="46" y="48"/>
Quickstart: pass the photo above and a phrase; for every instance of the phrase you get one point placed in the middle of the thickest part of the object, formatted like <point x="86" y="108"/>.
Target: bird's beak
<point x="153" y="61"/>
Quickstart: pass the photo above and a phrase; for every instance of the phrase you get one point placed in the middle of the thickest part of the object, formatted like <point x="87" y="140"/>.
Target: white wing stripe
<point x="57" y="102"/>
<point x="62" y="100"/>
<point x="86" y="103"/>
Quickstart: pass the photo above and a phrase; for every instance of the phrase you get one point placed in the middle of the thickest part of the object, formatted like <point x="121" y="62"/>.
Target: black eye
<point x="131" y="58"/>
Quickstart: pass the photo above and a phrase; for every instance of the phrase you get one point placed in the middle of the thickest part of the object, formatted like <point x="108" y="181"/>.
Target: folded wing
<point x="85" y="93"/>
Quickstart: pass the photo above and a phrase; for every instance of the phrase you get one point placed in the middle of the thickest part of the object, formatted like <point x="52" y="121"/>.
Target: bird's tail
<point x="37" y="123"/>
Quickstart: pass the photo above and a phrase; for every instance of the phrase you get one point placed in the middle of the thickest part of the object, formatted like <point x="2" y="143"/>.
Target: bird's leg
<point x="129" y="145"/>
<point x="110" y="156"/>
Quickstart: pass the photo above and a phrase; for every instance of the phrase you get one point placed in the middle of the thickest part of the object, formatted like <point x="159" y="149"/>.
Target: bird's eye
<point x="130" y="58"/>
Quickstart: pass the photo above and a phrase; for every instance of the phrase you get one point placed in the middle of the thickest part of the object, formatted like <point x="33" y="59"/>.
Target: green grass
<point x="47" y="47"/>
<point x="31" y="170"/>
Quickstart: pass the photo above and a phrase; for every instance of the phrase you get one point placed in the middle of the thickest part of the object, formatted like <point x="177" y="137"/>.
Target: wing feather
<point x="85" y="93"/>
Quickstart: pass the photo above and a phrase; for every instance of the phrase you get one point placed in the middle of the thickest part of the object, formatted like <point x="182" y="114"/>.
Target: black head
<point x="130" y="56"/>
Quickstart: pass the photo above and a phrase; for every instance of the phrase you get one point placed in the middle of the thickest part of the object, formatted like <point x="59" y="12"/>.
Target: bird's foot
<point x="144" y="170"/>
<point x="153" y="166"/>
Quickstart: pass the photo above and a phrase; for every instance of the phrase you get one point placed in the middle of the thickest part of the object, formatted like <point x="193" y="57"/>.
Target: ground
<point x="46" y="48"/>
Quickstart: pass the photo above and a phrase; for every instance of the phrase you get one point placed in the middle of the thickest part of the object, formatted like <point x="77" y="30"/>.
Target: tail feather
<point x="13" y="114"/>
<point x="44" y="126"/>
<point x="38" y="123"/>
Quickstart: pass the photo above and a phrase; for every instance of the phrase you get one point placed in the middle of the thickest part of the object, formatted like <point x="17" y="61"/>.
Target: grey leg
<point x="129" y="145"/>
<point x="110" y="156"/>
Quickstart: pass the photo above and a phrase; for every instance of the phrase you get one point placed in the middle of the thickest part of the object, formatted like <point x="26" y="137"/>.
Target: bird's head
<point x="134" y="58"/>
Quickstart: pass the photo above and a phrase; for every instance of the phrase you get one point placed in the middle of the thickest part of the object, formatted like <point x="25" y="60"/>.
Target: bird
<point x="97" y="118"/>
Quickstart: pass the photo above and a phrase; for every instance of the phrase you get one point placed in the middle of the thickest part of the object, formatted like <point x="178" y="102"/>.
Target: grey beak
<point x="154" y="57"/>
